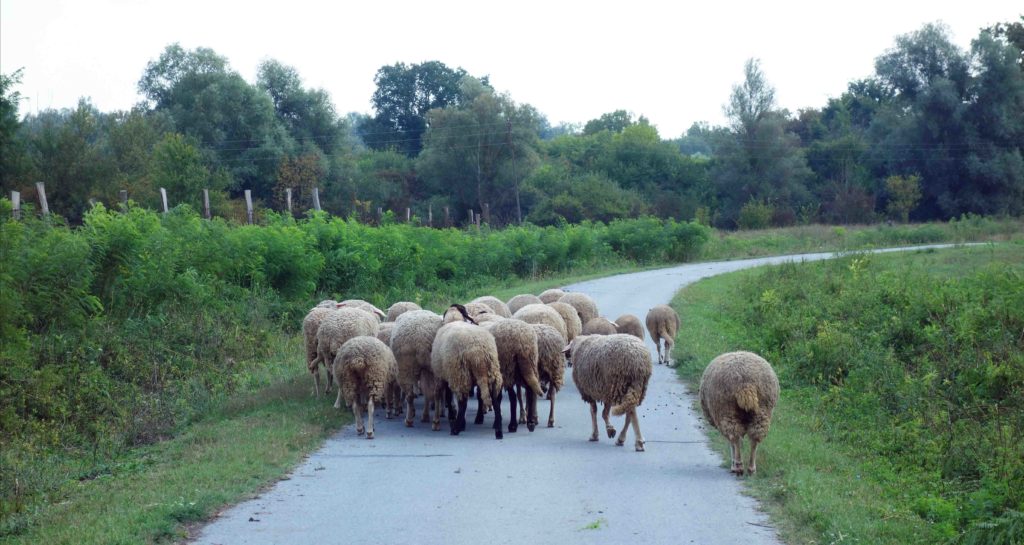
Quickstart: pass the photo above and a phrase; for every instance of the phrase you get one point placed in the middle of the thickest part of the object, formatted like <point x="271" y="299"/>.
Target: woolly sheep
<point x="327" y="303"/>
<point x="364" y="306"/>
<point x="584" y="305"/>
<point x="550" y="296"/>
<point x="365" y="370"/>
<point x="465" y="355"/>
<point x="310" y="325"/>
<point x="497" y="305"/>
<point x="573" y="326"/>
<point x="663" y="324"/>
<point x="615" y="370"/>
<point x="630" y="324"/>
<point x="412" y="339"/>
<point x="600" y="326"/>
<point x="399" y="308"/>
<point x="550" y="363"/>
<point x="540" y="313"/>
<point x="337" y="327"/>
<point x="738" y="392"/>
<point x="517" y="355"/>
<point x="521" y="300"/>
<point x="474" y="310"/>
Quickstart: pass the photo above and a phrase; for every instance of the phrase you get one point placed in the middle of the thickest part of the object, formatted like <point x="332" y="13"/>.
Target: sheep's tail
<point x="483" y="381"/>
<point x="630" y="401"/>
<point x="534" y="383"/>
<point x="746" y="397"/>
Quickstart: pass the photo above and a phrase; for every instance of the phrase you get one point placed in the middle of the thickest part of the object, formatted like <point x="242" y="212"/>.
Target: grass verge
<point x="817" y="485"/>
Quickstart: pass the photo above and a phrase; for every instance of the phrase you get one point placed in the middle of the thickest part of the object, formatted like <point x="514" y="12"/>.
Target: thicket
<point x="115" y="332"/>
<point x="922" y="367"/>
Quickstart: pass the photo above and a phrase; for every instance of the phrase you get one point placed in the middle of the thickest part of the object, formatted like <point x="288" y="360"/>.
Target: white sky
<point x="573" y="60"/>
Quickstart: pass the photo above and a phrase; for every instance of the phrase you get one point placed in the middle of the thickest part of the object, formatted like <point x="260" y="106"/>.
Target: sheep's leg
<point x="480" y="412"/>
<point x="752" y="462"/>
<point x="410" y="413"/>
<point x="459" y="423"/>
<point x="657" y="344"/>
<point x="522" y="413"/>
<point x="531" y="408"/>
<point x="436" y="421"/>
<point x="622" y="434"/>
<point x="513" y="424"/>
<point x="593" y="420"/>
<point x="669" y="343"/>
<point x="359" y="416"/>
<point x="551" y="413"/>
<point x="607" y="422"/>
<point x="448" y="401"/>
<point x="337" y="401"/>
<point x="369" y="411"/>
<point x="636" y="431"/>
<point x="315" y="371"/>
<point x="736" y="445"/>
<point x="496" y="403"/>
<point x="330" y="376"/>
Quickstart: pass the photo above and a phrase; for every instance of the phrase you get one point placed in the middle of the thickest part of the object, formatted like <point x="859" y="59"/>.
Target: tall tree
<point x="308" y="114"/>
<point x="403" y="97"/>
<point x="12" y="153"/>
<point x="616" y="122"/>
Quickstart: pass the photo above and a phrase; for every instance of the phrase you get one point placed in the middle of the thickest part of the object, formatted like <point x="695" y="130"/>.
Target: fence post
<point x="430" y="215"/>
<point x="15" y="205"/>
<point x="316" y="198"/>
<point x="487" y="213"/>
<point x="41" y="191"/>
<point x="163" y="198"/>
<point x="408" y="215"/>
<point x="123" y="195"/>
<point x="447" y="218"/>
<point x="471" y="216"/>
<point x="288" y="199"/>
<point x="248" y="205"/>
<point x="206" y="203"/>
<point x="478" y="222"/>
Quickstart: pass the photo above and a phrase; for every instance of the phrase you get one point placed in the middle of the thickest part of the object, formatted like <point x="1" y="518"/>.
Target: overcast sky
<point x="674" y="62"/>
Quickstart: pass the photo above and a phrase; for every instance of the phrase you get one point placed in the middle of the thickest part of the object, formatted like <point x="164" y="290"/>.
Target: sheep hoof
<point x="513" y="427"/>
<point x="751" y="471"/>
<point x="620" y="443"/>
<point x="531" y="426"/>
<point x="359" y="431"/>
<point x="639" y="446"/>
<point x="369" y="435"/>
<point x="498" y="434"/>
<point x="551" y="423"/>
<point x="593" y="437"/>
<point x="436" y="426"/>
<point x="479" y="419"/>
<point x="737" y="471"/>
<point x="408" y="423"/>
<point x="611" y="433"/>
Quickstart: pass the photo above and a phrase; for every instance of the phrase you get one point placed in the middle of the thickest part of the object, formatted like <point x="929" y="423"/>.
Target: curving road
<point x="415" y="486"/>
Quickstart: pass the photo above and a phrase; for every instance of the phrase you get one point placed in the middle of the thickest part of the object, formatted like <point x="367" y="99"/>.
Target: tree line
<point x="936" y="132"/>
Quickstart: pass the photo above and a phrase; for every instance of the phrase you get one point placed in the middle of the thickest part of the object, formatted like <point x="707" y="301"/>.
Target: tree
<point x="178" y="167"/>
<point x="758" y="159"/>
<point x="616" y="121"/>
<point x="307" y="114"/>
<point x="12" y="152"/>
<point x="904" y="194"/>
<point x="213" y="104"/>
<point x="403" y="97"/>
<point x="300" y="174"/>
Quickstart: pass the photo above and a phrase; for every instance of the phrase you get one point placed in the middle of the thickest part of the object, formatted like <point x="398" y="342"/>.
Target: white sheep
<point x="573" y="326"/>
<point x="517" y="355"/>
<point x="310" y="325"/>
<point x="615" y="370"/>
<point x="738" y="392"/>
<point x="497" y="305"/>
<point x="465" y="356"/>
<point x="662" y="325"/>
<point x="337" y="327"/>
<point x="551" y="295"/>
<point x="630" y="324"/>
<point x="600" y="326"/>
<point x="584" y="305"/>
<point x="412" y="340"/>
<point x="521" y="300"/>
<point x="365" y="306"/>
<point x="539" y="313"/>
<point x="550" y="363"/>
<point x="399" y="308"/>
<point x="366" y="371"/>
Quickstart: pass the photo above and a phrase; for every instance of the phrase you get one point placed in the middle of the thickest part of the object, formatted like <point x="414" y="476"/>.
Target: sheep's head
<point x="461" y="310"/>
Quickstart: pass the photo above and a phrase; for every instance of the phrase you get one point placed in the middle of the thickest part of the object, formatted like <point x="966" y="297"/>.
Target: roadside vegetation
<point x="902" y="406"/>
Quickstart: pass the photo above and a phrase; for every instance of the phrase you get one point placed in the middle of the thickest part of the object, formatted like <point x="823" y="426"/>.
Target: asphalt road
<point x="415" y="486"/>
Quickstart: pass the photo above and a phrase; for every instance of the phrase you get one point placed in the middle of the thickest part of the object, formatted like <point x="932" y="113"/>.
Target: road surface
<point x="415" y="486"/>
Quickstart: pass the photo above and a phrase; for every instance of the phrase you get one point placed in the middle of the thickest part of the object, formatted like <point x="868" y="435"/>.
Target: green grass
<point x="816" y="487"/>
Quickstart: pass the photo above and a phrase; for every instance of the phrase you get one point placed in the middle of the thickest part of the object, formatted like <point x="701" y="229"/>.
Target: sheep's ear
<point x="568" y="348"/>
<point x="616" y="324"/>
<point x="379" y="312"/>
<point x="339" y="305"/>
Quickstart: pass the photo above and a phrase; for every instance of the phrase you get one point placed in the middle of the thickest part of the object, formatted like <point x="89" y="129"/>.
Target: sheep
<point x="310" y="325"/>
<point x="465" y="355"/>
<point x="399" y="308"/>
<point x="663" y="324"/>
<point x="630" y="324"/>
<point x="412" y="339"/>
<point x="377" y="313"/>
<point x="517" y="355"/>
<point x="573" y="326"/>
<point x="600" y="326"/>
<point x="384" y="332"/>
<point x="584" y="305"/>
<point x="550" y="296"/>
<point x="365" y="370"/>
<point x="327" y="303"/>
<point x="520" y="301"/>
<point x="540" y="313"/>
<point x="550" y="363"/>
<point x="337" y="327"/>
<point x="497" y="305"/>
<point x="738" y="392"/>
<point x="615" y="370"/>
<point x="474" y="310"/>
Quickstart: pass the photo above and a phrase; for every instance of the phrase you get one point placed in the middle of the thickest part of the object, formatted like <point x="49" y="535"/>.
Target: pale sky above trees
<point x="673" y="62"/>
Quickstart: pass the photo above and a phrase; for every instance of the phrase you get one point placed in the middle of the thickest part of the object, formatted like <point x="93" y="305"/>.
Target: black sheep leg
<point x="459" y="424"/>
<point x="531" y="409"/>
<point x="479" y="407"/>
<point x="496" y="402"/>
<point x="513" y="422"/>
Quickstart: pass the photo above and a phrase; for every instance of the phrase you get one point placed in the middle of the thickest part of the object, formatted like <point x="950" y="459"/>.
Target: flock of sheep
<point x="489" y="348"/>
